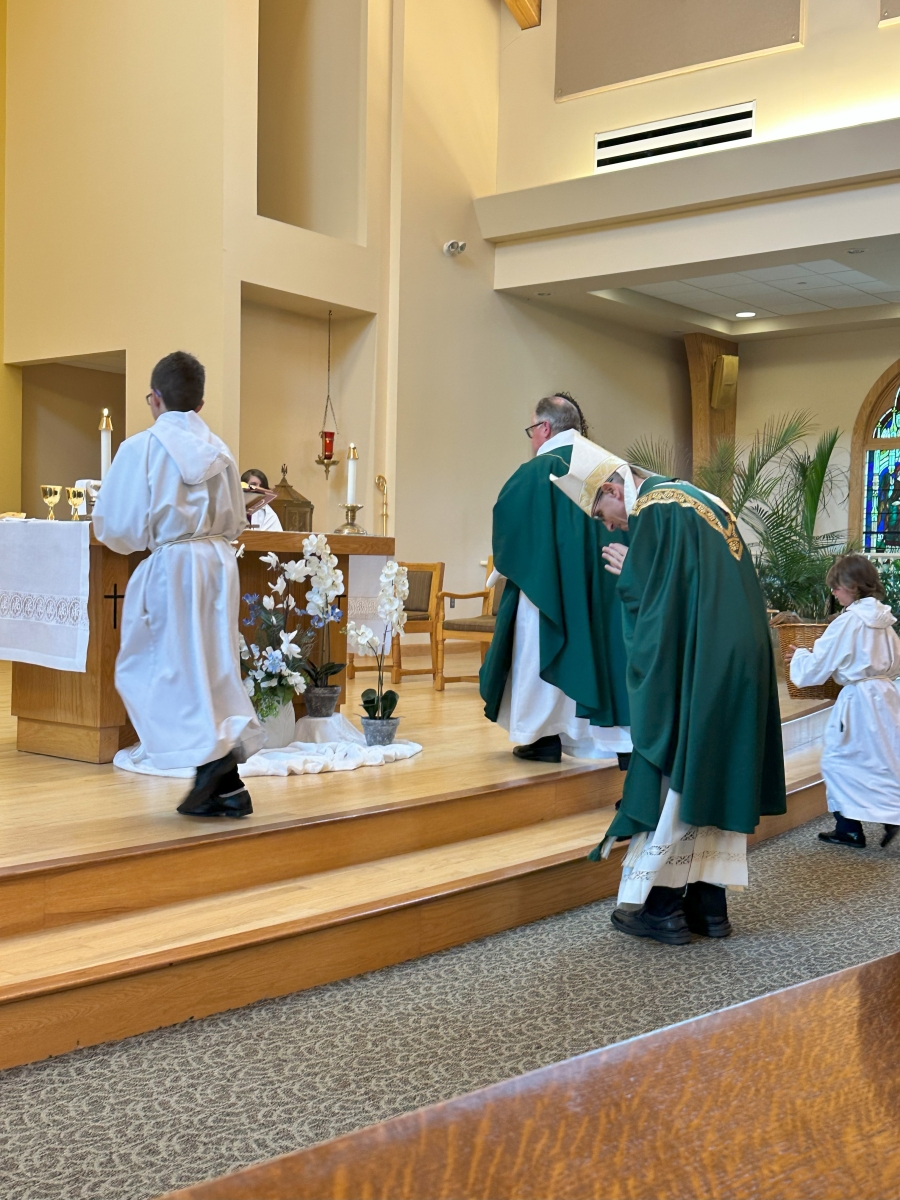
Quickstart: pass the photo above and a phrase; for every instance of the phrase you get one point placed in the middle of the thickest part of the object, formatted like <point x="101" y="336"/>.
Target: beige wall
<point x="472" y="362"/>
<point x="844" y="73"/>
<point x="61" y="408"/>
<point x="312" y="71"/>
<point x="114" y="186"/>
<point x="829" y="374"/>
<point x="10" y="377"/>
<point x="283" y="387"/>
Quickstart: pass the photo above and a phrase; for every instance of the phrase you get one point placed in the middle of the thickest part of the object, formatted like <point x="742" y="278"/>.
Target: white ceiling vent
<point x="677" y="137"/>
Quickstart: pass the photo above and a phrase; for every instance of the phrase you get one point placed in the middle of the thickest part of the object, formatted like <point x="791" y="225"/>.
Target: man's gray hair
<point x="561" y="412"/>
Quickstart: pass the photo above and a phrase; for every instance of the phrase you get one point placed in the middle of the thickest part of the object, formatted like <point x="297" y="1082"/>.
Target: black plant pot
<point x="321" y="701"/>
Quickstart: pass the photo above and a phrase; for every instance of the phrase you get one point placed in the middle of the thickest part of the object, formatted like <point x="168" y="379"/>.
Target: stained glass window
<point x="881" y="528"/>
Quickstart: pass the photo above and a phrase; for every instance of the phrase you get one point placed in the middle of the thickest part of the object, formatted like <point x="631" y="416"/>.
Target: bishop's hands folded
<point x="614" y="556"/>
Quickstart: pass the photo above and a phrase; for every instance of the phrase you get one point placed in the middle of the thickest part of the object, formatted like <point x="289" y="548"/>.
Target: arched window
<point x="875" y="468"/>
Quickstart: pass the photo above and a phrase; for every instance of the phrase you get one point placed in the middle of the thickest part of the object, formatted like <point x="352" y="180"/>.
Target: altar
<point x="77" y="713"/>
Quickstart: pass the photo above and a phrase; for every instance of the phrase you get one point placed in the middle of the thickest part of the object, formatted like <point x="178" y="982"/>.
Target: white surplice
<point x="530" y="707"/>
<point x="861" y="755"/>
<point x="174" y="489"/>
<point x="266" y="520"/>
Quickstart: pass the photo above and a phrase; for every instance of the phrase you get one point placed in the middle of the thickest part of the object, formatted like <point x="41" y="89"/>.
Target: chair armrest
<point x="482" y="595"/>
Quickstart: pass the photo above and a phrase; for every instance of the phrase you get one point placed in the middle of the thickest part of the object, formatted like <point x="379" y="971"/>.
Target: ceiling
<point x="780" y="291"/>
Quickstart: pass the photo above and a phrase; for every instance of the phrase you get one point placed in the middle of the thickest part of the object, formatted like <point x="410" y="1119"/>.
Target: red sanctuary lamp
<point x="326" y="459"/>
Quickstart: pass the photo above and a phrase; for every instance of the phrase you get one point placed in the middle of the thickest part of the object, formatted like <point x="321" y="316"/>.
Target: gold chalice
<point x="51" y="493"/>
<point x="75" y="497"/>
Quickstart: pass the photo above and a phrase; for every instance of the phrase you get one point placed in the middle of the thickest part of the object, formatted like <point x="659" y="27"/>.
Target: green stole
<point x="701" y="675"/>
<point x="549" y="549"/>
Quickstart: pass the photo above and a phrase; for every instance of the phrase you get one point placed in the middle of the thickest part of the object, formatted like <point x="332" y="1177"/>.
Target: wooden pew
<point x="795" y="1094"/>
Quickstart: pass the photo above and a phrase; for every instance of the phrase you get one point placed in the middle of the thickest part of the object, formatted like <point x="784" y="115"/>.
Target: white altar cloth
<point x="44" y="579"/>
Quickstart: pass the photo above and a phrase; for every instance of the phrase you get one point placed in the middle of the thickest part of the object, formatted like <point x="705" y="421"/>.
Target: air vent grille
<point x="677" y="137"/>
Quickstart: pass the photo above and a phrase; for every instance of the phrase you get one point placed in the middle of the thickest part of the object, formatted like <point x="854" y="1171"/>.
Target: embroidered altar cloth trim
<point x="44" y="582"/>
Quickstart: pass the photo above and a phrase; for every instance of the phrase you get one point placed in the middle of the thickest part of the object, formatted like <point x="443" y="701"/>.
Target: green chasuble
<point x="546" y="547"/>
<point x="701" y="676"/>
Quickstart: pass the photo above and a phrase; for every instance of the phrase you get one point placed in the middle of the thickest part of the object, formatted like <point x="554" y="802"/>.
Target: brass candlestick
<point x="350" y="525"/>
<point x="75" y="497"/>
<point x="51" y="493"/>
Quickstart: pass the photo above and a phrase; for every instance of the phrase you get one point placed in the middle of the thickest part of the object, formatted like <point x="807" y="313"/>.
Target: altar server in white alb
<point x="861" y="757"/>
<point x="174" y="490"/>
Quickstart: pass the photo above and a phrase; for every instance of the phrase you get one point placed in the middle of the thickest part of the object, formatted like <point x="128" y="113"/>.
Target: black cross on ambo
<point x="115" y="596"/>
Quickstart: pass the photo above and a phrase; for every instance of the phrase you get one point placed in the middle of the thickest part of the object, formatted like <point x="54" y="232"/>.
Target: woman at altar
<point x="264" y="518"/>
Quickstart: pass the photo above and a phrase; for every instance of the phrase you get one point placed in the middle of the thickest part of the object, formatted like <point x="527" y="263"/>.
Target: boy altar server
<point x="705" y="721"/>
<point x="174" y="490"/>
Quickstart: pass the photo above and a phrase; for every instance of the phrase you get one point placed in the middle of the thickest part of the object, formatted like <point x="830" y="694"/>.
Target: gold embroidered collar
<point x="677" y="496"/>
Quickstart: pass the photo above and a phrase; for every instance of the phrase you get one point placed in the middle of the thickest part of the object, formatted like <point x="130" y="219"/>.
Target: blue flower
<point x="336" y="613"/>
<point x="316" y="622"/>
<point x="251" y="600"/>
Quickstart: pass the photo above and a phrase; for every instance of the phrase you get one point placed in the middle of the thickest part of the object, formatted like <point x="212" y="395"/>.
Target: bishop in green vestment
<point x="705" y="720"/>
<point x="554" y="675"/>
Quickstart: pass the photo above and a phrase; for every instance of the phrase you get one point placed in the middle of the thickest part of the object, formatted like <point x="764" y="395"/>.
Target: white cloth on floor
<point x="44" y="582"/>
<point x="265" y="520"/>
<point x="174" y="489"/>
<point x="676" y="854"/>
<point x="861" y="754"/>
<point x="299" y="758"/>
<point x="531" y="708"/>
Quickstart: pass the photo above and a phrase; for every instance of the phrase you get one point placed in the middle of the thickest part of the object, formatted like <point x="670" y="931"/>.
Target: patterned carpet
<point x="133" y="1119"/>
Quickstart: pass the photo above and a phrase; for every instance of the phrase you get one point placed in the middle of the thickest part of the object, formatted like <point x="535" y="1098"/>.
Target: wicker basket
<point x="804" y="637"/>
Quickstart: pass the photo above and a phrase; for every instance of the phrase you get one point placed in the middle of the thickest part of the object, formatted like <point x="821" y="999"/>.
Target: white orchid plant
<point x="276" y="664"/>
<point x="363" y="641"/>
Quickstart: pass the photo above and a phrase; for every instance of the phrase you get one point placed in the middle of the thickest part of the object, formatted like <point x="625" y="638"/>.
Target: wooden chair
<point x="468" y="629"/>
<point x="425" y="583"/>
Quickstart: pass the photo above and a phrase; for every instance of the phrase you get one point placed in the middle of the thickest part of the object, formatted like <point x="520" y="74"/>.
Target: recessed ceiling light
<point x="856" y="251"/>
<point x="745" y="314"/>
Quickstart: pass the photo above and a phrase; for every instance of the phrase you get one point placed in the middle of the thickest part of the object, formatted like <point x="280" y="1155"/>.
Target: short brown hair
<point x="857" y="574"/>
<point x="180" y="379"/>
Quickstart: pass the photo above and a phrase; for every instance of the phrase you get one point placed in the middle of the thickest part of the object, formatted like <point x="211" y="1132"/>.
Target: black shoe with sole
<point x="706" y="910"/>
<point x="844" y="839"/>
<point x="671" y="930"/>
<point x="202" y="799"/>
<point x="890" y="832"/>
<point x="236" y="804"/>
<point x="545" y="749"/>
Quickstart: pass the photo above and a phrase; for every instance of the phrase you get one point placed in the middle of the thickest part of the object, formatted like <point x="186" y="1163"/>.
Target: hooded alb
<point x="174" y="489"/>
<point x="861" y="755"/>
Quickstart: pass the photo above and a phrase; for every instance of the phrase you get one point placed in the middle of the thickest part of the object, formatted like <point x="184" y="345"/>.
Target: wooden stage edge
<point x="791" y="1094"/>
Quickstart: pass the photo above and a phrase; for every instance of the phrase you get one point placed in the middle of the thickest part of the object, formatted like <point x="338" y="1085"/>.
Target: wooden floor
<point x="117" y="915"/>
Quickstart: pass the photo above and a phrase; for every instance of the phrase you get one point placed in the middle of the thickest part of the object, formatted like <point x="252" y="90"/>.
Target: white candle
<point x="352" y="459"/>
<point x="105" y="443"/>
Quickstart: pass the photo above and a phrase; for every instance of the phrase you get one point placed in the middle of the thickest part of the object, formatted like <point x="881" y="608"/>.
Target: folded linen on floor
<point x="299" y="758"/>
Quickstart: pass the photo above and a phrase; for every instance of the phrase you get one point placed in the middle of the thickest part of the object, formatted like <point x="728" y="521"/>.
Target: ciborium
<point x="75" y="497"/>
<point x="51" y="493"/>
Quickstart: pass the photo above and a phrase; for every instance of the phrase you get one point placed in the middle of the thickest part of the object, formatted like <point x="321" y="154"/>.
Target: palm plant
<point x="779" y="489"/>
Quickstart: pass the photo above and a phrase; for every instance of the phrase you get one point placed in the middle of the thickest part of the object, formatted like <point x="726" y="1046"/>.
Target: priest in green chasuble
<point x="705" y="721"/>
<point x="554" y="675"/>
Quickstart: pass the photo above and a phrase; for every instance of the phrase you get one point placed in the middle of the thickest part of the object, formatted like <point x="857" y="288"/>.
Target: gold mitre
<point x="590" y="467"/>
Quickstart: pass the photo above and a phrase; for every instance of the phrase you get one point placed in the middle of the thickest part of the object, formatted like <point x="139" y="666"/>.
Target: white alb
<point x="861" y="756"/>
<point x="174" y="490"/>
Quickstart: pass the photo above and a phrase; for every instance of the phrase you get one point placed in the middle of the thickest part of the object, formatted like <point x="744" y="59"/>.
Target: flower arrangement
<point x="276" y="663"/>
<point x="378" y="703"/>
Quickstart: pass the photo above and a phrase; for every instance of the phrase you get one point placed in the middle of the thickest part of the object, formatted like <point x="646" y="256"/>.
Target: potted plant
<point x="319" y="567"/>
<point x="379" y="723"/>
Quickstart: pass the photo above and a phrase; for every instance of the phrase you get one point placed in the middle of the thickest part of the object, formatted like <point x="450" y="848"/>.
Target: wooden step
<point x="111" y="978"/>
<point x="63" y="891"/>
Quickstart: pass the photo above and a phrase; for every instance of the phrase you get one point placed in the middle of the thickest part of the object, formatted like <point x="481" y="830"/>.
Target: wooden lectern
<point x="69" y="714"/>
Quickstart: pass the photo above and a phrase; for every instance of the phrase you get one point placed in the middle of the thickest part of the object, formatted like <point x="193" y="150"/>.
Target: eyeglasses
<point x="529" y="428"/>
<point x="149" y="397"/>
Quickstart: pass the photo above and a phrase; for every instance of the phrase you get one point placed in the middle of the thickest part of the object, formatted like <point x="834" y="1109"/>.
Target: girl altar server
<point x="173" y="489"/>
<point x="861" y="758"/>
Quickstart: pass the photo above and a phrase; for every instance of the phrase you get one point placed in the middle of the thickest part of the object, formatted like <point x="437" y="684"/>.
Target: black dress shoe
<point x="207" y="782"/>
<point x="672" y="930"/>
<point x="545" y="749"/>
<point x="844" y="839"/>
<point x="890" y="832"/>
<point x="237" y="804"/>
<point x="711" y="927"/>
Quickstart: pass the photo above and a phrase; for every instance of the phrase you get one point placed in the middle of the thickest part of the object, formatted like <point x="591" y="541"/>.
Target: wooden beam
<point x="709" y="424"/>
<point x="526" y="12"/>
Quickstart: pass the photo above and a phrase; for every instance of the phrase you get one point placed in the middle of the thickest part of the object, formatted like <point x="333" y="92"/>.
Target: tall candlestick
<point x="352" y="460"/>
<point x="105" y="443"/>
